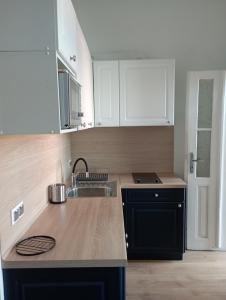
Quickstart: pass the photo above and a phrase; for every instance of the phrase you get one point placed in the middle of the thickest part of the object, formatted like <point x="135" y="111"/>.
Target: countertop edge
<point x="64" y="264"/>
<point x="153" y="186"/>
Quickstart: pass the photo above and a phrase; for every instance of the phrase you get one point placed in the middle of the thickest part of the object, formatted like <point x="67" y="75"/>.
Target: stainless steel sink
<point x="106" y="189"/>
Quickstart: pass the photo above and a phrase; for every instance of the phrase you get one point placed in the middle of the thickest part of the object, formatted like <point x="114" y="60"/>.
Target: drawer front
<point x="154" y="195"/>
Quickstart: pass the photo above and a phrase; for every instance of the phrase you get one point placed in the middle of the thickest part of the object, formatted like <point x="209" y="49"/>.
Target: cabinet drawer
<point x="154" y="195"/>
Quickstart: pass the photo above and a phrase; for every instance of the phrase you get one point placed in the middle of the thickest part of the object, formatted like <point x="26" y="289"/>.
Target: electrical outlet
<point x="17" y="212"/>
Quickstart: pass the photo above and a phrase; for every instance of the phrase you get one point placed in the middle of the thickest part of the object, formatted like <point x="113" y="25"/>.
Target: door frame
<point x="222" y="175"/>
<point x="214" y="240"/>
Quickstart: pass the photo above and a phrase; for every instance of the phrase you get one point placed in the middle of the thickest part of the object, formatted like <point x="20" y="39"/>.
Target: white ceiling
<point x="154" y="28"/>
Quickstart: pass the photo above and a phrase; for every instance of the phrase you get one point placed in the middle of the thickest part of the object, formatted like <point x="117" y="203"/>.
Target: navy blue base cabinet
<point x="65" y="284"/>
<point x="154" y="223"/>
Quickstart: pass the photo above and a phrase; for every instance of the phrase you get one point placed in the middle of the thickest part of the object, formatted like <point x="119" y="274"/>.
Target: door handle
<point x="198" y="159"/>
<point x="192" y="161"/>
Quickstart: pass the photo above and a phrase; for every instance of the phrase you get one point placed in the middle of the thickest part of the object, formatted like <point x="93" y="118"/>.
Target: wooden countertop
<point x="89" y="232"/>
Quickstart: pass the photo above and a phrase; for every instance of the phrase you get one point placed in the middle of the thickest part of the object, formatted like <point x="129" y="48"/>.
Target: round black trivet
<point x="35" y="245"/>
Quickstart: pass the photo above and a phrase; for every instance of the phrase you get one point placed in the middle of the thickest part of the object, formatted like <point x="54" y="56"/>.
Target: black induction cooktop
<point x="146" y="178"/>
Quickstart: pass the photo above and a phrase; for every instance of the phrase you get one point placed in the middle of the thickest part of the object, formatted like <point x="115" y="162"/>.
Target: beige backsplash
<point x="28" y="164"/>
<point x="125" y="149"/>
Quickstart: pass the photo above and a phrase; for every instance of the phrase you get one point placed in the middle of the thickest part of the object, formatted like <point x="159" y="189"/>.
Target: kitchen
<point x="112" y="149"/>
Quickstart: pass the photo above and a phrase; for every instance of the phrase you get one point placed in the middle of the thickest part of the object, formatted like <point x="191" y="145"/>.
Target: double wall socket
<point x="17" y="212"/>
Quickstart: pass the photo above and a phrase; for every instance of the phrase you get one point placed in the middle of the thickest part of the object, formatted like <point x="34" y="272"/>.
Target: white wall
<point x="191" y="31"/>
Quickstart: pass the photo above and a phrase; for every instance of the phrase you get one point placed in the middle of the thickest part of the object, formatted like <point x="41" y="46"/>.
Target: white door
<point x="106" y="93"/>
<point x="204" y="144"/>
<point x="147" y="92"/>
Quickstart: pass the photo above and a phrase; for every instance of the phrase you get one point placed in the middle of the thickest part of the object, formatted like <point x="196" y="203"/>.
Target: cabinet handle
<point x="192" y="161"/>
<point x="90" y="124"/>
<point x="83" y="124"/>
<point x="47" y="49"/>
<point x="99" y="123"/>
<point x="127" y="245"/>
<point x="156" y="195"/>
<point x="123" y="204"/>
<point x="73" y="57"/>
<point x="126" y="236"/>
<point x="179" y="205"/>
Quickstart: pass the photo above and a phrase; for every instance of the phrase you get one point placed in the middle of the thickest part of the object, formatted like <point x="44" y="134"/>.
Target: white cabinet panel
<point x="85" y="78"/>
<point x="29" y="99"/>
<point x="134" y="92"/>
<point x="40" y="38"/>
<point x="106" y="93"/>
<point x="43" y="25"/>
<point x="27" y="25"/>
<point x="67" y="33"/>
<point x="147" y="92"/>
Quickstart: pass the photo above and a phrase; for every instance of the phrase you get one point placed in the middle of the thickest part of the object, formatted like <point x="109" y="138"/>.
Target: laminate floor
<point x="201" y="275"/>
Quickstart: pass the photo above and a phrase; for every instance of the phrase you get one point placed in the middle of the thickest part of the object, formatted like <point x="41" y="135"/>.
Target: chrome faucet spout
<point x="75" y="164"/>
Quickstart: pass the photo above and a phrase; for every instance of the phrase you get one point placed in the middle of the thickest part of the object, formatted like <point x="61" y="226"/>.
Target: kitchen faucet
<point x="74" y="175"/>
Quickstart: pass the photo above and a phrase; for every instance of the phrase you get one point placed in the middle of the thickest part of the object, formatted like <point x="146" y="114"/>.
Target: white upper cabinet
<point x="39" y="37"/>
<point x="106" y="93"/>
<point x="28" y="99"/>
<point x="85" y="78"/>
<point x="39" y="25"/>
<point x="27" y="25"/>
<point x="67" y="32"/>
<point x="134" y="92"/>
<point x="147" y="92"/>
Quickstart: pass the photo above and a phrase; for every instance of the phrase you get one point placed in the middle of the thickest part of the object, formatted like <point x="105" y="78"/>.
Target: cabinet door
<point x="154" y="228"/>
<point x="147" y="92"/>
<point x="29" y="93"/>
<point x="85" y="78"/>
<point x="27" y="25"/>
<point x="65" y="283"/>
<point x="106" y="93"/>
<point x="66" y="24"/>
